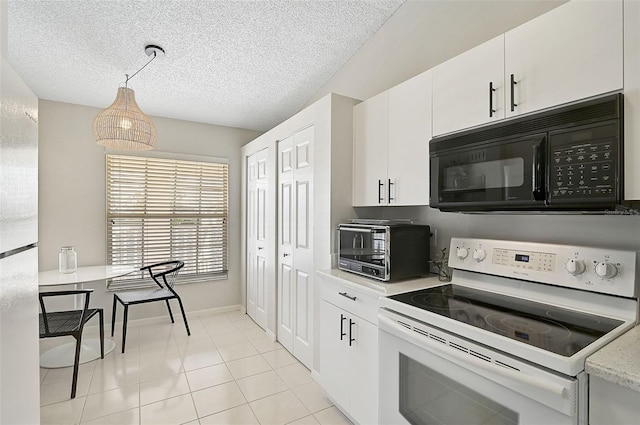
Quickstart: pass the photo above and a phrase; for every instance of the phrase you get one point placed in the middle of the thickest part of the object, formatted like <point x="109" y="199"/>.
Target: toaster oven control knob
<point x="479" y="255"/>
<point x="575" y="267"/>
<point x="606" y="270"/>
<point x="462" y="253"/>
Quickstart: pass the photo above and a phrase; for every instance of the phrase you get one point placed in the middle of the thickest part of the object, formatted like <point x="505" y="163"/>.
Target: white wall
<point x="72" y="196"/>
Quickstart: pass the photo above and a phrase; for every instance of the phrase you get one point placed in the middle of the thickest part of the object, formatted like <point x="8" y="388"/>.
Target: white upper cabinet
<point x="371" y="132"/>
<point x="572" y="52"/>
<point x="408" y="147"/>
<point x="469" y="89"/>
<point x="391" y="145"/>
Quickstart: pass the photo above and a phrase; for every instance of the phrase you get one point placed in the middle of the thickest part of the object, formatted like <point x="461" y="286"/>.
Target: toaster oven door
<point x="363" y="250"/>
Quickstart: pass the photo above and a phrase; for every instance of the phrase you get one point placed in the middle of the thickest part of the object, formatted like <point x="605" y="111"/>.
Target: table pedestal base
<point x="63" y="355"/>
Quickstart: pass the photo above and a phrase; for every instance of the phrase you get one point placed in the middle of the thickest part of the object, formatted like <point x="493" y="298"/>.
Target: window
<point x="160" y="209"/>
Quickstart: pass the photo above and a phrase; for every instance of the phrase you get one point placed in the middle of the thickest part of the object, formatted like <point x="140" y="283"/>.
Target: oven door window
<point x="363" y="244"/>
<point x="499" y="172"/>
<point x="429" y="397"/>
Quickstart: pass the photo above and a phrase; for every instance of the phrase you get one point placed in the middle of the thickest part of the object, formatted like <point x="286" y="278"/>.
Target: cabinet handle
<point x="285" y="254"/>
<point x="344" y="294"/>
<point x="351" y="339"/>
<point x="342" y="332"/>
<point x="491" y="90"/>
<point x="513" y="89"/>
<point x="390" y="184"/>
<point x="260" y="248"/>
<point x="380" y="185"/>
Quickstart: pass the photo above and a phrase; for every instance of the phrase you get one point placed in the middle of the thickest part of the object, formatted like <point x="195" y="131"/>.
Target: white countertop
<point x="619" y="361"/>
<point x="375" y="287"/>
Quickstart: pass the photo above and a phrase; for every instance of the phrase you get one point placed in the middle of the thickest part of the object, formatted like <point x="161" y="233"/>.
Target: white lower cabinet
<point x="349" y="352"/>
<point x="612" y="404"/>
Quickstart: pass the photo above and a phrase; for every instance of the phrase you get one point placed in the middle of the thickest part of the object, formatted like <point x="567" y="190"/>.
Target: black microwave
<point x="565" y="159"/>
<point x="383" y="249"/>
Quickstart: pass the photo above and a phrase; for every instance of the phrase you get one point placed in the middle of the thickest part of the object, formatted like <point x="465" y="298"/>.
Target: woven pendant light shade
<point x="123" y="125"/>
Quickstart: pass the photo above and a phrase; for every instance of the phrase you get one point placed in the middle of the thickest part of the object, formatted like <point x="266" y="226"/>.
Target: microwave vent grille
<point x="579" y="114"/>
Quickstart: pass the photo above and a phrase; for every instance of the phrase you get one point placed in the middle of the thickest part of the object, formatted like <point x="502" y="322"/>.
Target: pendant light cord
<point x="143" y="67"/>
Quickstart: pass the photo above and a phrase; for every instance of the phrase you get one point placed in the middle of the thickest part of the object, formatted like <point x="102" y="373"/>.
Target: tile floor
<point x="226" y="372"/>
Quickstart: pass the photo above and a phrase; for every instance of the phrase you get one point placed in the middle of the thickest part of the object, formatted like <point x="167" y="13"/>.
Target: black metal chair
<point x="164" y="275"/>
<point x="70" y="323"/>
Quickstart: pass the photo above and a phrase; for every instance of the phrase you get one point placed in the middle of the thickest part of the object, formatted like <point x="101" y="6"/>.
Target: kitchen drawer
<point x="364" y="305"/>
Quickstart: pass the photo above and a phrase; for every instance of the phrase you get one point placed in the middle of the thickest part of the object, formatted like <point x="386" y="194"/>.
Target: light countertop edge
<point x="619" y="361"/>
<point x="374" y="287"/>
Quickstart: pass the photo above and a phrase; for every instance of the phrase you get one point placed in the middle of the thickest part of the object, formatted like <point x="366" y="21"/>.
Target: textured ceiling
<point x="247" y="64"/>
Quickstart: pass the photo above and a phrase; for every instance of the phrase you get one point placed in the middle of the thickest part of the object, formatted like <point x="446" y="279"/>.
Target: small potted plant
<point x="442" y="265"/>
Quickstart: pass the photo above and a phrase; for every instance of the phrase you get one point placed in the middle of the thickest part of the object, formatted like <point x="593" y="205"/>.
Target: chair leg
<point x="184" y="316"/>
<point x="76" y="364"/>
<point x="124" y="326"/>
<point x="170" y="313"/>
<point x="101" y="317"/>
<point x="113" y="315"/>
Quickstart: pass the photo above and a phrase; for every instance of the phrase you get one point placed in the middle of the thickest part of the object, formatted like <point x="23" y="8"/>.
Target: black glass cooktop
<point x="554" y="329"/>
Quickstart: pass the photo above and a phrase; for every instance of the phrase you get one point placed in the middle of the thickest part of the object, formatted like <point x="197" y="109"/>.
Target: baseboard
<point x="315" y="375"/>
<point x="271" y="335"/>
<point x="163" y="319"/>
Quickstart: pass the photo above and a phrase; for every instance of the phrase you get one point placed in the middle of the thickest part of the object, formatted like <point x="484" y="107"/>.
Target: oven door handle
<point x="471" y="363"/>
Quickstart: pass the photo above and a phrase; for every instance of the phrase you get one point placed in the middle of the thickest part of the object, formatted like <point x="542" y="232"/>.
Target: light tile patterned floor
<point x="226" y="372"/>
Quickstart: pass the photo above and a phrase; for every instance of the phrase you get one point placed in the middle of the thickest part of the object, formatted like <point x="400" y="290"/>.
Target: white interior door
<point x="295" y="255"/>
<point x="286" y="290"/>
<point x="257" y="247"/>
<point x="303" y="245"/>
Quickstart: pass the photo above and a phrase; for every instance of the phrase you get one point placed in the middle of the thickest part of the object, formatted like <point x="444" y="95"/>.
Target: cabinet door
<point x="572" y="52"/>
<point x="257" y="243"/>
<point x="462" y="95"/>
<point x="370" y="151"/>
<point x="363" y="360"/>
<point x="408" y="145"/>
<point x="333" y="358"/>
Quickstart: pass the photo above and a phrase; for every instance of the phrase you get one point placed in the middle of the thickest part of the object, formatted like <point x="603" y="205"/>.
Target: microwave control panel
<point x="584" y="164"/>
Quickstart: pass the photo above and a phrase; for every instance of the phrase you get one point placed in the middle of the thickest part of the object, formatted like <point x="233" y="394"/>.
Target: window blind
<point x="160" y="209"/>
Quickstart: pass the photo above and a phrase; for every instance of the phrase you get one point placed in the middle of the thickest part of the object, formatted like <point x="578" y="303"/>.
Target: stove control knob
<point x="479" y="255"/>
<point x="462" y="253"/>
<point x="575" y="267"/>
<point x="606" y="270"/>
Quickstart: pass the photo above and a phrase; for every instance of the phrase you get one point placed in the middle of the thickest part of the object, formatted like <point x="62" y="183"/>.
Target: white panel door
<point x="303" y="245"/>
<point x="572" y="52"/>
<point x="469" y="89"/>
<point x="295" y="255"/>
<point x="370" y="151"/>
<point x="257" y="246"/>
<point x="409" y="135"/>
<point x="286" y="278"/>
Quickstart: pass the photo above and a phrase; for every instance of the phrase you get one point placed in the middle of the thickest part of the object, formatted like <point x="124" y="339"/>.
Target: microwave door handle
<point x="537" y="173"/>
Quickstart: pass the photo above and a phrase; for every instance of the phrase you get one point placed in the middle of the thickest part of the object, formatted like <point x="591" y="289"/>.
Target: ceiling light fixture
<point x="123" y="125"/>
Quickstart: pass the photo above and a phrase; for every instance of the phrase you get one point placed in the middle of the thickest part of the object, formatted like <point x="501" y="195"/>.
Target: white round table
<point x="63" y="355"/>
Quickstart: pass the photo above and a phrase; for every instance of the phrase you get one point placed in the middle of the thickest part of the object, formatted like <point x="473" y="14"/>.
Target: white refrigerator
<point x="19" y="343"/>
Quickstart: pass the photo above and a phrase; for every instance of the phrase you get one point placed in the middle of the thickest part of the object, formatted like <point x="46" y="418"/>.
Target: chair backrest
<point x="73" y="292"/>
<point x="165" y="273"/>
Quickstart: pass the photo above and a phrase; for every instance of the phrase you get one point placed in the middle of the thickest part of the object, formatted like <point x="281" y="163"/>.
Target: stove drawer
<point x="355" y="302"/>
